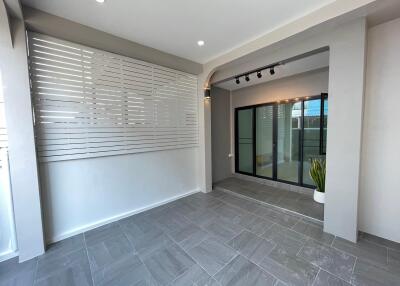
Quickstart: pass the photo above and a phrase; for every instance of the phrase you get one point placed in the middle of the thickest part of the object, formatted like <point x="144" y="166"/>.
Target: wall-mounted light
<point x="207" y="93"/>
<point x="272" y="71"/>
<point x="247" y="77"/>
<point x="259" y="74"/>
<point x="237" y="80"/>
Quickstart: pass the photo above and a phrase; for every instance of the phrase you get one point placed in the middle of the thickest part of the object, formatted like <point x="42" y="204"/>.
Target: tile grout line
<point x="329" y="272"/>
<point x="135" y="251"/>
<point x="300" y="220"/>
<point x="333" y="240"/>
<point x="194" y="260"/>
<point x="354" y="266"/>
<point x="352" y="272"/>
<point x="222" y="268"/>
<point x="87" y="256"/>
<point x="316" y="276"/>
<point x="301" y="248"/>
<point x="387" y="256"/>
<point x="36" y="271"/>
<point x="263" y="269"/>
<point x="212" y="276"/>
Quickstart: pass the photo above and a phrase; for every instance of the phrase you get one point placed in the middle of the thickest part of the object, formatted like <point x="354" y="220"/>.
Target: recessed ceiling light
<point x="100" y="1"/>
<point x="200" y="43"/>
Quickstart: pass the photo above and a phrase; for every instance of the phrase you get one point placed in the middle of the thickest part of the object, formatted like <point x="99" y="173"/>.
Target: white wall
<point x="380" y="169"/>
<point x="82" y="194"/>
<point x="8" y="240"/>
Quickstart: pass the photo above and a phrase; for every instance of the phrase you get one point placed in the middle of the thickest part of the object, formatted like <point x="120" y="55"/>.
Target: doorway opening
<point x="267" y="125"/>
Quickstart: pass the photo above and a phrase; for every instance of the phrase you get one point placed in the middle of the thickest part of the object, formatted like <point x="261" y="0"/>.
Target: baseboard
<point x="6" y="256"/>
<point x="116" y="218"/>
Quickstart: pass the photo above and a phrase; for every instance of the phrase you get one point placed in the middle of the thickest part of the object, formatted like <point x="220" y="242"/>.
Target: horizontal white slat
<point x="90" y="103"/>
<point x="80" y="155"/>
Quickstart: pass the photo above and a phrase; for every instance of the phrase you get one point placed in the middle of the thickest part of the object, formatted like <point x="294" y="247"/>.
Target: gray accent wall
<point x="220" y="133"/>
<point x="22" y="153"/>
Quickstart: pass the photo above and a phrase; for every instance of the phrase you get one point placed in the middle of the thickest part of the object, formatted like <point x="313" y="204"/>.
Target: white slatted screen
<point x="3" y="128"/>
<point x="91" y="103"/>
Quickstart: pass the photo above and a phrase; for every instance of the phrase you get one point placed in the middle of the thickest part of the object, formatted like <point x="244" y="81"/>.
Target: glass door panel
<point x="325" y="126"/>
<point x="264" y="141"/>
<point x="245" y="140"/>
<point x="289" y="128"/>
<point x="311" y="136"/>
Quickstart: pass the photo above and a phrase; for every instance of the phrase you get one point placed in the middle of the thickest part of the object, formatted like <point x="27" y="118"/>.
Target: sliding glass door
<point x="264" y="141"/>
<point x="288" y="152"/>
<point x="312" y="136"/>
<point x="244" y="119"/>
<point x="277" y="141"/>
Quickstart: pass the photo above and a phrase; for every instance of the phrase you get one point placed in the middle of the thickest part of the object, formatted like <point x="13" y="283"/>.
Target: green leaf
<point x="318" y="172"/>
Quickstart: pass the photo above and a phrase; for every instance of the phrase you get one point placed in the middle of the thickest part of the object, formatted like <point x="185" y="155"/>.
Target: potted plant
<point x="317" y="173"/>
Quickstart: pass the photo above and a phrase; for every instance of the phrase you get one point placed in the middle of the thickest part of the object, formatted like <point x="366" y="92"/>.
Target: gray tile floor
<point x="291" y="201"/>
<point x="210" y="239"/>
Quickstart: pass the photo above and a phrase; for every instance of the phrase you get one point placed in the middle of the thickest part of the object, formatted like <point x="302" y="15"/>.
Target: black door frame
<point x="322" y="96"/>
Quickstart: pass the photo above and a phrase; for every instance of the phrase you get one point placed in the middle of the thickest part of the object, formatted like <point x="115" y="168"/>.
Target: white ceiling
<point x="314" y="62"/>
<point x="175" y="26"/>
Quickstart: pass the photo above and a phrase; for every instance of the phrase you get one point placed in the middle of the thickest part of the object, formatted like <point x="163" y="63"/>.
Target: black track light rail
<point x="273" y="65"/>
<point x="257" y="70"/>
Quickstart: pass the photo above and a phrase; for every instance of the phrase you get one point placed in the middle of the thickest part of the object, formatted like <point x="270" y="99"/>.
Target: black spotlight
<point x="247" y="78"/>
<point x="207" y="93"/>
<point x="237" y="80"/>
<point x="272" y="71"/>
<point x="259" y="75"/>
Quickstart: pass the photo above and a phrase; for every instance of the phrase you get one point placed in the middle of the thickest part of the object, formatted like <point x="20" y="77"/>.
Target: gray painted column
<point x="346" y="99"/>
<point x="23" y="164"/>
